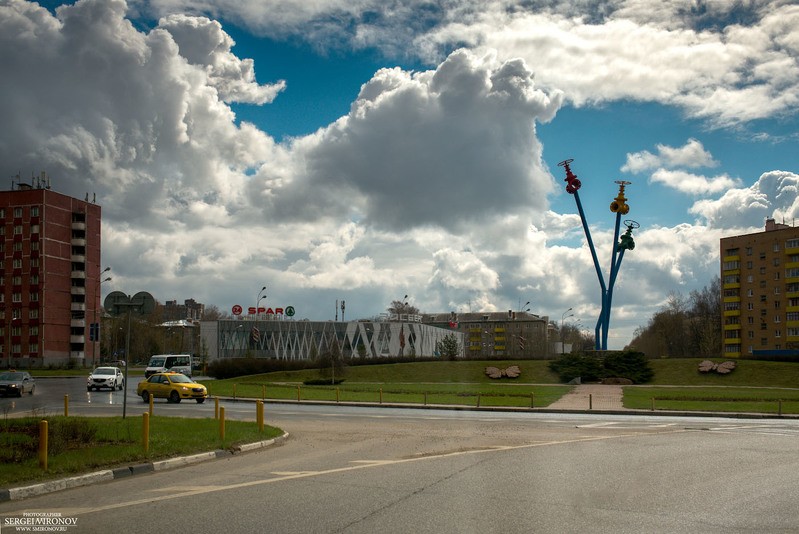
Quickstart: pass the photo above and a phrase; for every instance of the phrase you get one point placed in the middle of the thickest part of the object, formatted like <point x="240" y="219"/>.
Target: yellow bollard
<point x="532" y="400"/>
<point x="425" y="398"/>
<point x="222" y="423"/>
<point x="779" y="408"/>
<point x="337" y="395"/>
<point x="145" y="431"/>
<point x="66" y="405"/>
<point x="259" y="415"/>
<point x="216" y="407"/>
<point x="234" y="391"/>
<point x="43" y="444"/>
<point x="263" y="391"/>
<point x="150" y="409"/>
<point x="590" y="401"/>
<point x="381" y="395"/>
<point x="653" y="404"/>
<point x="478" y="400"/>
<point x="298" y="393"/>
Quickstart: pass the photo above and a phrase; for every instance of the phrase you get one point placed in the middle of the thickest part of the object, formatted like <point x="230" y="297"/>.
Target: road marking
<point x="293" y="475"/>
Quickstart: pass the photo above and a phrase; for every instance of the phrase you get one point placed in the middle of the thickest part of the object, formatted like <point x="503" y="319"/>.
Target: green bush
<point x="594" y="367"/>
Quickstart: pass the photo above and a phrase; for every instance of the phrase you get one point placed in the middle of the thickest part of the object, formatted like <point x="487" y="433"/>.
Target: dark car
<point x="15" y="383"/>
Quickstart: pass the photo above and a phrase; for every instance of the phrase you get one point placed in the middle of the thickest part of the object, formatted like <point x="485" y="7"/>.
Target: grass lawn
<point x="80" y="445"/>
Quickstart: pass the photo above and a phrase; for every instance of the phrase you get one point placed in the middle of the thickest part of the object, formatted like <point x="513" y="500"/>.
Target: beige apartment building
<point x="760" y="292"/>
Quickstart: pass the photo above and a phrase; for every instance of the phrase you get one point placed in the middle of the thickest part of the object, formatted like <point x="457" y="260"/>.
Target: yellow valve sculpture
<point x="619" y="204"/>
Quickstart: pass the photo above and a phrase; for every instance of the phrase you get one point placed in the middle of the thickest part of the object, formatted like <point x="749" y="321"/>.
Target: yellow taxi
<point x="173" y="387"/>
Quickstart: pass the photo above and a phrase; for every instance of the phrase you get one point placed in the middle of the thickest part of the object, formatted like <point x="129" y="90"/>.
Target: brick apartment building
<point x="760" y="291"/>
<point x="49" y="276"/>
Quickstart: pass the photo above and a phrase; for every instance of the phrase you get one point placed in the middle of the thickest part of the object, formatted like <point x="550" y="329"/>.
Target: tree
<point x="684" y="327"/>
<point x="401" y="307"/>
<point x="448" y="347"/>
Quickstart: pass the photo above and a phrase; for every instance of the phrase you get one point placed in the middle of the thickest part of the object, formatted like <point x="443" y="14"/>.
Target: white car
<point x="105" y="377"/>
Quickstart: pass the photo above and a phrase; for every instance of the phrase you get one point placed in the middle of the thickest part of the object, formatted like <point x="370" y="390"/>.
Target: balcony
<point x="79" y="225"/>
<point x="78" y="241"/>
<point x="77" y="339"/>
<point x="77" y="290"/>
<point x="78" y="306"/>
<point x="81" y="275"/>
<point x="78" y="258"/>
<point x="77" y="323"/>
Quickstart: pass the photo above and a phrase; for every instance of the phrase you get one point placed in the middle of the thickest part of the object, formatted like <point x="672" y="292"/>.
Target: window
<point x="777" y="304"/>
<point x="777" y="290"/>
<point x="777" y="275"/>
<point x="750" y="306"/>
<point x="34" y="211"/>
<point x="732" y="306"/>
<point x="34" y="262"/>
<point x="751" y="334"/>
<point x="762" y="298"/>
<point x="17" y="263"/>
<point x="762" y="326"/>
<point x="34" y="297"/>
<point x="731" y="252"/>
<point x="34" y="314"/>
<point x="792" y="272"/>
<point x="777" y="318"/>
<point x="34" y="279"/>
<point x="17" y="212"/>
<point x="732" y="279"/>
<point x="34" y="245"/>
<point x="18" y="229"/>
<point x="749" y="278"/>
<point x="730" y="265"/>
<point x="792" y="243"/>
<point x="18" y="246"/>
<point x="762" y="255"/>
<point x="776" y="247"/>
<point x="34" y="228"/>
<point x="792" y="316"/>
<point x="762" y="270"/>
<point x="764" y="341"/>
<point x="16" y="280"/>
<point x="748" y="251"/>
<point x="749" y="265"/>
<point x="750" y="320"/>
<point x="16" y="297"/>
<point x="776" y="262"/>
<point x="33" y="348"/>
<point x="750" y="293"/>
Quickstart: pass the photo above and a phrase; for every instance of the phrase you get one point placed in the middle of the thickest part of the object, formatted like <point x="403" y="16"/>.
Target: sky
<point x="364" y="150"/>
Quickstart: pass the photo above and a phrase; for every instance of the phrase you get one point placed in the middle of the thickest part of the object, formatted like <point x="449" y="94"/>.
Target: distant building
<point x="49" y="276"/>
<point x="303" y="340"/>
<point x="511" y="334"/>
<point x="190" y="310"/>
<point x="760" y="291"/>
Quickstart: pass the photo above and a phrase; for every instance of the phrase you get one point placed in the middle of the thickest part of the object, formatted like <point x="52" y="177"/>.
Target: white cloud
<point x="690" y="155"/>
<point x="694" y="184"/>
<point x="727" y="62"/>
<point x="773" y="195"/>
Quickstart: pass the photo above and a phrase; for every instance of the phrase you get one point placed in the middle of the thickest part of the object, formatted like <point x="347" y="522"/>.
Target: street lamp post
<point x="95" y="326"/>
<point x="562" y="317"/>
<point x="258" y="300"/>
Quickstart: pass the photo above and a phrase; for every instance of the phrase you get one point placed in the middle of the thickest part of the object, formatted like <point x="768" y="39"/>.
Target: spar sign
<point x="288" y="311"/>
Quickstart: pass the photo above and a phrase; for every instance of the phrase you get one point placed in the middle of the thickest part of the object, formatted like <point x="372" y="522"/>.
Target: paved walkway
<point x="591" y="397"/>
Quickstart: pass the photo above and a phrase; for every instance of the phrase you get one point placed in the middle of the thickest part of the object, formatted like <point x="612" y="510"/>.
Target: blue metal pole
<point x="605" y="313"/>
<point x="601" y="278"/>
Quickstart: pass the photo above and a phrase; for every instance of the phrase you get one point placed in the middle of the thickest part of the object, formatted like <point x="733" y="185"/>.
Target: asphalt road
<point x="378" y="470"/>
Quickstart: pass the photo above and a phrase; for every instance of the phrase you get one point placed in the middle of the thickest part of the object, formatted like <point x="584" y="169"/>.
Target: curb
<point x="34" y="490"/>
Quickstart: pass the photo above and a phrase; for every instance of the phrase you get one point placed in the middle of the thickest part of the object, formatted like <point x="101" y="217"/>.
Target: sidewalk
<point x="591" y="397"/>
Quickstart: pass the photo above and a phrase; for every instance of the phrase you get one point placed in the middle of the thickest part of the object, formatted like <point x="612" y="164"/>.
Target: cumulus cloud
<point x="774" y="195"/>
<point x="726" y="62"/>
<point x="690" y="155"/>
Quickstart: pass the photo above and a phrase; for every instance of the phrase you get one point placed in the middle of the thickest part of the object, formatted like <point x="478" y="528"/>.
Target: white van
<point x="160" y="363"/>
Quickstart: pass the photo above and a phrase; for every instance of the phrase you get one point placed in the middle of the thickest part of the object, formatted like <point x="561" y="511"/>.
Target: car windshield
<point x="11" y="376"/>
<point x="157" y="362"/>
<point x="180" y="379"/>
<point x="104" y="371"/>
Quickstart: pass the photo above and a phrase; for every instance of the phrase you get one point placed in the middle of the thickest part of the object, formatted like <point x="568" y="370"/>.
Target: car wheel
<point x="174" y="397"/>
<point x="19" y="393"/>
<point x="32" y="390"/>
<point x="120" y="386"/>
<point x="200" y="401"/>
<point x="88" y="388"/>
<point x="145" y="396"/>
